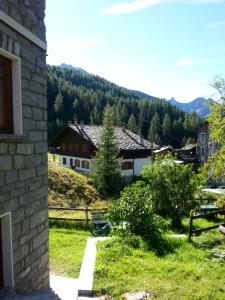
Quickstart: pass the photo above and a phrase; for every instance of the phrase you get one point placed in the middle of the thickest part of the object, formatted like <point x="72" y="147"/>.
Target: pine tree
<point x="132" y="125"/>
<point x="58" y="103"/>
<point x="154" y="127"/>
<point x="107" y="174"/>
<point x="166" y="129"/>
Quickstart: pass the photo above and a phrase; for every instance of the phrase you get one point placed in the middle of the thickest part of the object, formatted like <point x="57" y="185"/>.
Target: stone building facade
<point x="23" y="147"/>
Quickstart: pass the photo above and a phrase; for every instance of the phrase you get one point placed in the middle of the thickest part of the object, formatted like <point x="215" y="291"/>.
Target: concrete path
<point x="88" y="266"/>
<point x="67" y="288"/>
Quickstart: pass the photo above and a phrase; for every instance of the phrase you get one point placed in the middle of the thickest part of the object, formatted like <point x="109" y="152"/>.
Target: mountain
<point x="76" y="94"/>
<point x="199" y="105"/>
<point x="64" y="65"/>
<point x="143" y="95"/>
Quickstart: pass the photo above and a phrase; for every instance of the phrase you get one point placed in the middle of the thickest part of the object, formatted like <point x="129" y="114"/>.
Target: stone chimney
<point x="124" y="127"/>
<point x="82" y="125"/>
<point x="141" y="140"/>
<point x="69" y="123"/>
<point x="75" y="121"/>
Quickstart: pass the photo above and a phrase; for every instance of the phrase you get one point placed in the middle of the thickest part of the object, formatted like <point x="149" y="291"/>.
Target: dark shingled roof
<point x="126" y="139"/>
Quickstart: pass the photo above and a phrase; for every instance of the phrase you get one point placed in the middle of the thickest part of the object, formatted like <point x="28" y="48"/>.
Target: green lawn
<point x="66" y="251"/>
<point x="193" y="271"/>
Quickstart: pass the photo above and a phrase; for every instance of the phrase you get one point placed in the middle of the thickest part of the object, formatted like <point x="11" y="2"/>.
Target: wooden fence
<point x="192" y="231"/>
<point x="85" y="211"/>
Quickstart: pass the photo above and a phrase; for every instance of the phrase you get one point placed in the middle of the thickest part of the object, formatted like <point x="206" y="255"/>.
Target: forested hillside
<point x="73" y="93"/>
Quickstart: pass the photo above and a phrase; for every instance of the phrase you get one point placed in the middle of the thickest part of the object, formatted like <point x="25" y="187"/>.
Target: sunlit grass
<point x="66" y="251"/>
<point x="194" y="270"/>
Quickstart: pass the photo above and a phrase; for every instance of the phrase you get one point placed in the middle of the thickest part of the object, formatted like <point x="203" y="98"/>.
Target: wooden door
<point x="1" y="260"/>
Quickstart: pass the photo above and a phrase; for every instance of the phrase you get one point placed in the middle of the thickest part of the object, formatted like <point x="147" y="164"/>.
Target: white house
<point x="77" y="144"/>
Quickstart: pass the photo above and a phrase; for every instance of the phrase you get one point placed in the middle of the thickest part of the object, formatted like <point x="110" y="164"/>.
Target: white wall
<point x="138" y="164"/>
<point x="75" y="157"/>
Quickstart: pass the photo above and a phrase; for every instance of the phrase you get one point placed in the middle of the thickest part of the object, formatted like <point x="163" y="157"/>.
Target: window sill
<point x="12" y="138"/>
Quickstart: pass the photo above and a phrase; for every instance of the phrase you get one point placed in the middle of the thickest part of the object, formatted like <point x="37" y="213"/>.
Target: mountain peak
<point x="71" y="67"/>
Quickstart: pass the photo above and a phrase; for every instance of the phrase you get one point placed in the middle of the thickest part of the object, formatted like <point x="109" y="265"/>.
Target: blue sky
<point x="166" y="48"/>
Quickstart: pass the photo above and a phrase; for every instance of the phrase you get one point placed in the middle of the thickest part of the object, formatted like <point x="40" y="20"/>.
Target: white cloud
<point x="132" y="6"/>
<point x="216" y="25"/>
<point x="187" y="61"/>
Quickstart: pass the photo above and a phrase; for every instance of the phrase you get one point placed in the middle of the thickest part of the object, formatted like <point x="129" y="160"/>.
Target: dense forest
<point x="77" y="94"/>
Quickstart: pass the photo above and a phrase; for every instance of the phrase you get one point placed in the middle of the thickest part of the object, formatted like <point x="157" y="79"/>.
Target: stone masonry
<point x="23" y="159"/>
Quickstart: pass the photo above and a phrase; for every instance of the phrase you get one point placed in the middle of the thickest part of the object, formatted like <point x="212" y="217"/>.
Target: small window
<point x="6" y="102"/>
<point x="77" y="163"/>
<point x="64" y="160"/>
<point x="85" y="164"/>
<point x="127" y="165"/>
<point x="71" y="162"/>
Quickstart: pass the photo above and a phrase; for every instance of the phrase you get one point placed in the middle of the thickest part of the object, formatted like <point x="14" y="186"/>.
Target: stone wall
<point x="29" y="13"/>
<point x="23" y="160"/>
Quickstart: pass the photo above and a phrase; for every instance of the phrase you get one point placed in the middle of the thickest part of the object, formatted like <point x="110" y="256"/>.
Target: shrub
<point x="133" y="211"/>
<point x="172" y="187"/>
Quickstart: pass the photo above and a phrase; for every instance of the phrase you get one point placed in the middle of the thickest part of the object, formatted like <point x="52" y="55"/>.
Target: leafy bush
<point x="172" y="187"/>
<point x="134" y="212"/>
<point x="68" y="188"/>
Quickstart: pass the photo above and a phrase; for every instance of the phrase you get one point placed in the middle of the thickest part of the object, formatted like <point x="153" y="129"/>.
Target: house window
<point x="71" y="162"/>
<point x="6" y="101"/>
<point x="85" y="164"/>
<point x="10" y="94"/>
<point x="127" y="165"/>
<point x="77" y="163"/>
<point x="64" y="160"/>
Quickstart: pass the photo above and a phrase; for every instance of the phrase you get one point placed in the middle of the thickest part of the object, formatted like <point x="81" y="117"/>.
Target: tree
<point x="154" y="130"/>
<point x="107" y="173"/>
<point x="132" y="125"/>
<point x="58" y="103"/>
<point x="172" y="187"/>
<point x="166" y="129"/>
<point x="216" y="119"/>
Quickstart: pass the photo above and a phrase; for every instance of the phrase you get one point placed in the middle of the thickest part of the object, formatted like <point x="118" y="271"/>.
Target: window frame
<point x="17" y="123"/>
<point x="126" y="165"/>
<point x="7" y="126"/>
<point x="83" y="164"/>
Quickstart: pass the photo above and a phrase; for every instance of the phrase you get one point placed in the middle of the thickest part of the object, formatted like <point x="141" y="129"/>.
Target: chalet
<point x="77" y="144"/>
<point x="205" y="145"/>
<point x="23" y="147"/>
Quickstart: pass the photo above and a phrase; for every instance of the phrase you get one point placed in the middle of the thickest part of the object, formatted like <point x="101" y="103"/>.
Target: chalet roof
<point x="126" y="139"/>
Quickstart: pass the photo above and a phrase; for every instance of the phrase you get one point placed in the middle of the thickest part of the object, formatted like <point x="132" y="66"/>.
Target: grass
<point x="192" y="271"/>
<point x="67" y="247"/>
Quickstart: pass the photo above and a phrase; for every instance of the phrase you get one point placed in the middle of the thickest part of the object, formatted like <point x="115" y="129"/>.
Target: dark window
<point x="127" y="165"/>
<point x="71" y="162"/>
<point x="6" y="110"/>
<point x="77" y="163"/>
<point x="85" y="164"/>
<point x="64" y="160"/>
